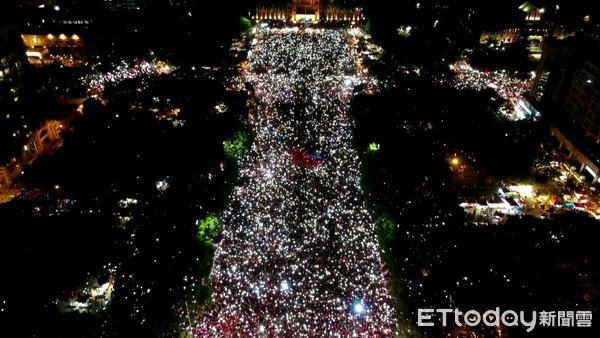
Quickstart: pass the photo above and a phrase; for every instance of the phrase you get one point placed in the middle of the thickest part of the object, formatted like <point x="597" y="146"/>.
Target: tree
<point x="236" y="146"/>
<point x="245" y="23"/>
<point x="209" y="227"/>
<point x="367" y="27"/>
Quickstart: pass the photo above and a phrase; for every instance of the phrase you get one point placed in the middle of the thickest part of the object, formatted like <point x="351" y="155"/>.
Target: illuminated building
<point x="504" y="24"/>
<point x="12" y="59"/>
<point x="333" y="13"/>
<point x="273" y="13"/>
<point x="59" y="36"/>
<point x="42" y="141"/>
<point x="502" y="35"/>
<point x="46" y="48"/>
<point x="308" y="10"/>
<point x="529" y="24"/>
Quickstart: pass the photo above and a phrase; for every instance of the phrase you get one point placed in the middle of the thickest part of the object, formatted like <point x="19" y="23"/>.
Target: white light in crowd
<point x="359" y="308"/>
<point x="292" y="218"/>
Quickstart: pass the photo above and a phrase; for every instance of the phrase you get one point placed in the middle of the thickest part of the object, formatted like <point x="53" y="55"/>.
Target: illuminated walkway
<point x="299" y="255"/>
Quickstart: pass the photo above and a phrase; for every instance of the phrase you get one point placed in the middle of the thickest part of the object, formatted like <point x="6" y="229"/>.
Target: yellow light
<point x="523" y="190"/>
<point x="75" y="37"/>
<point x="455" y="161"/>
<point x="62" y="37"/>
<point x="50" y="37"/>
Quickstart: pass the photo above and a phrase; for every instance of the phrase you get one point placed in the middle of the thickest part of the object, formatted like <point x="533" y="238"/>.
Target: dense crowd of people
<point x="505" y="84"/>
<point x="299" y="255"/>
<point x="124" y="71"/>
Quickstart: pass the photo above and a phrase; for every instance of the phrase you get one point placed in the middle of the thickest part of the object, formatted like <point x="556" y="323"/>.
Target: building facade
<point x="525" y="23"/>
<point x="64" y="36"/>
<point x="71" y="48"/>
<point x="12" y="63"/>
<point x="583" y="100"/>
<point x="308" y="10"/>
<point x="568" y="82"/>
<point x="567" y="86"/>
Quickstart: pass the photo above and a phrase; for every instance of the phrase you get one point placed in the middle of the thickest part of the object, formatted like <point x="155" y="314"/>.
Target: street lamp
<point x="455" y="161"/>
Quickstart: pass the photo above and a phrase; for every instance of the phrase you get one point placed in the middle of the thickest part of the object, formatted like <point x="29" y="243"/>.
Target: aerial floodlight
<point x="359" y="308"/>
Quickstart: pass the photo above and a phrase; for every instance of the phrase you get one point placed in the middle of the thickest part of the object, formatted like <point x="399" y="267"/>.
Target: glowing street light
<point x="455" y="161"/>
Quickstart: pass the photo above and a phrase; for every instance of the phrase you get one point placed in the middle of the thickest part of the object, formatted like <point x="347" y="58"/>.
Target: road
<point x="299" y="255"/>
